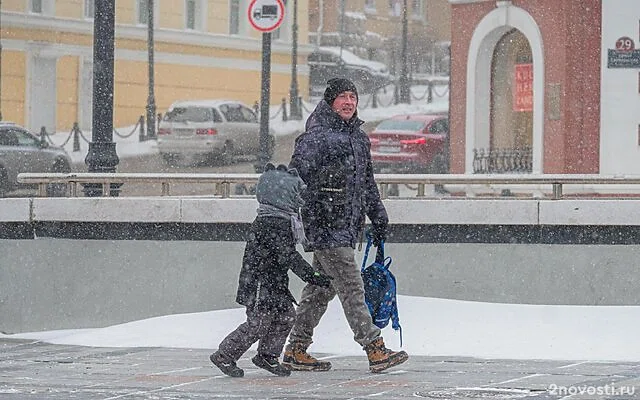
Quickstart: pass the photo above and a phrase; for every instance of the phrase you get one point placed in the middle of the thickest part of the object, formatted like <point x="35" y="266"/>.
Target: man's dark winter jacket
<point x="334" y="160"/>
<point x="270" y="252"/>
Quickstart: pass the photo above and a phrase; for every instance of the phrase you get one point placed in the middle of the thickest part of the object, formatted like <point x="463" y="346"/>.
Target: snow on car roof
<point x="351" y="58"/>
<point x="203" y="103"/>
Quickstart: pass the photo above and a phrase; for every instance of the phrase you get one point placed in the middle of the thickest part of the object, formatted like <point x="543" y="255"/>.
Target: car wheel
<point x="169" y="159"/>
<point x="226" y="157"/>
<point x="58" y="189"/>
<point x="438" y="165"/>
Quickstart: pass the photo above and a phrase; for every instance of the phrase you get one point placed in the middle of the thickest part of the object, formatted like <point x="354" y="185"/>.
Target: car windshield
<point x="189" y="114"/>
<point x="400" y="125"/>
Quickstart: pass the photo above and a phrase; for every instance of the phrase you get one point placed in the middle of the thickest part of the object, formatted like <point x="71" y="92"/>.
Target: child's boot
<point x="270" y="364"/>
<point x="226" y="365"/>
<point x="381" y="358"/>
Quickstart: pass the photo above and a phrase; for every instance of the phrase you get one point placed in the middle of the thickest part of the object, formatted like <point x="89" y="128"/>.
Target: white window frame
<point x="200" y="13"/>
<point x="88" y="5"/>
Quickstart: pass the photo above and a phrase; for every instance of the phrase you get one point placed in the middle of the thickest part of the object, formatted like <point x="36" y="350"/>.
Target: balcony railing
<point x="502" y="161"/>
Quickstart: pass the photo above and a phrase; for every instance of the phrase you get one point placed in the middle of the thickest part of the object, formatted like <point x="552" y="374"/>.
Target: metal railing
<point x="222" y="182"/>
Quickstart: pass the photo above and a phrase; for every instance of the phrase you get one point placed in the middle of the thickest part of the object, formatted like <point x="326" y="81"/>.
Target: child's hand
<point x="320" y="279"/>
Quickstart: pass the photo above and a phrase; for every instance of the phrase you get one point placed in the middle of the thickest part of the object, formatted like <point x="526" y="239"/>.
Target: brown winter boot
<point x="296" y="358"/>
<point x="381" y="358"/>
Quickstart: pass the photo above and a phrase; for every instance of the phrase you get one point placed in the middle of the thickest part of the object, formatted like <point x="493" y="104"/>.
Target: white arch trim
<point x="478" y="100"/>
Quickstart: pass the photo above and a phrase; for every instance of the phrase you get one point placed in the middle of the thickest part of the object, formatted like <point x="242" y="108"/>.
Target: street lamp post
<point x="151" y="99"/>
<point x="0" y="60"/>
<point x="294" y="105"/>
<point x="102" y="155"/>
<point x="405" y="96"/>
<point x="342" y="11"/>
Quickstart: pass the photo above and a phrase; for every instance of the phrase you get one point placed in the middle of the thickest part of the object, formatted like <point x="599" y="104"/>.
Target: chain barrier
<point x="277" y="113"/>
<point x="391" y="101"/>
<point x="80" y="134"/>
<point x="135" y="128"/>
<point x="366" y="103"/>
<point x="424" y="96"/>
<point x="67" y="139"/>
<point x="446" y="90"/>
<point x="45" y="136"/>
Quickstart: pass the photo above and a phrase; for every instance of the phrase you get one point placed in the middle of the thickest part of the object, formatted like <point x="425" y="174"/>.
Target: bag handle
<point x="379" y="253"/>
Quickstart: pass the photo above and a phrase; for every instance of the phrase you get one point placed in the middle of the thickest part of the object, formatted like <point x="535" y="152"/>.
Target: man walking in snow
<point x="334" y="160"/>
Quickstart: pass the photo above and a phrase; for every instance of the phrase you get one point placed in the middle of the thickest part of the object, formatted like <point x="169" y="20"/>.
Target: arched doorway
<point x="518" y="33"/>
<point x="511" y="111"/>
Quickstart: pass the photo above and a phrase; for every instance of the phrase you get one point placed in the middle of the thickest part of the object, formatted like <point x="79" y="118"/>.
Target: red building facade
<point x="525" y="76"/>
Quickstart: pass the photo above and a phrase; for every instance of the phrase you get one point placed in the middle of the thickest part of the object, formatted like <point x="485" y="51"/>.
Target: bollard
<point x="43" y="135"/>
<point x="141" y="136"/>
<point x="374" y="100"/>
<point x="284" y="110"/>
<point x="430" y="96"/>
<point x="76" y="137"/>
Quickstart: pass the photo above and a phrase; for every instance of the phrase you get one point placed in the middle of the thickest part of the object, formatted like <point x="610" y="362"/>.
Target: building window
<point x="277" y="34"/>
<point x="143" y="12"/>
<point x="417" y="9"/>
<point x="370" y="6"/>
<point x="194" y="14"/>
<point x="190" y="14"/>
<point x="234" y="17"/>
<point x="89" y="8"/>
<point x="395" y="7"/>
<point x="35" y="6"/>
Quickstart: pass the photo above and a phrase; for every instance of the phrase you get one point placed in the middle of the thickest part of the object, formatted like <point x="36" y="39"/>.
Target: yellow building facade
<point x="203" y="49"/>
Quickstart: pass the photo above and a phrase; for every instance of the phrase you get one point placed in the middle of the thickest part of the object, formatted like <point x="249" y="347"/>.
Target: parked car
<point x="411" y="144"/>
<point x="22" y="151"/>
<point x="210" y="130"/>
<point x="328" y="62"/>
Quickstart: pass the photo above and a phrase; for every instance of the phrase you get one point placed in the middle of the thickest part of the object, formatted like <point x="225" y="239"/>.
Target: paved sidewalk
<point x="35" y="370"/>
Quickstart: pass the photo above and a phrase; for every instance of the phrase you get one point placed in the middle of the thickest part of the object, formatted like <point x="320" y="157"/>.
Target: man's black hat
<point x="336" y="86"/>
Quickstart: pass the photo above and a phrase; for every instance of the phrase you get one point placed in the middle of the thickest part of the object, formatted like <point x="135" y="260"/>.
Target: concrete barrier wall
<point x="55" y="283"/>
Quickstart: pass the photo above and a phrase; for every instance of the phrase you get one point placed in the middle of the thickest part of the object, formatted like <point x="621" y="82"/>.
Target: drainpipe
<point x="320" y="24"/>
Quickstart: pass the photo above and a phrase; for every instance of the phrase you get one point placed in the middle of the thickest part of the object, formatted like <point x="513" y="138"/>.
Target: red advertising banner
<point x="523" y="88"/>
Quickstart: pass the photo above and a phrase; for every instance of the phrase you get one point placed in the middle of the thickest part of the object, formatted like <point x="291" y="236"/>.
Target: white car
<point x="210" y="130"/>
<point x="22" y="151"/>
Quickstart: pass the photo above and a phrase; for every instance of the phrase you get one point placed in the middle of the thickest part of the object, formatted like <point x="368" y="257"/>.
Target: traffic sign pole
<point x="265" y="94"/>
<point x="265" y="16"/>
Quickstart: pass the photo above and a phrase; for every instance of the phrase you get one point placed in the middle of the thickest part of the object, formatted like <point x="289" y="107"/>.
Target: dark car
<point x="415" y="143"/>
<point x="328" y="62"/>
<point x="22" y="151"/>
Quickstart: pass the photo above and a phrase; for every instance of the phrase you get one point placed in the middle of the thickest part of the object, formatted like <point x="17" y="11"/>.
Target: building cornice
<point x="139" y="32"/>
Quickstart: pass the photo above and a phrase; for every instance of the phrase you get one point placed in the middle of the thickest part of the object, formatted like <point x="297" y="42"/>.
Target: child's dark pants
<point x="269" y="327"/>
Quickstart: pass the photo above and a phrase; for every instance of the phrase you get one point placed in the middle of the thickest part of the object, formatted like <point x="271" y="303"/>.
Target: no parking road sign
<point x="266" y="15"/>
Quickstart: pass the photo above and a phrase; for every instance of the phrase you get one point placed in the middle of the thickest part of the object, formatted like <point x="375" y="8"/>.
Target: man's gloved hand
<point x="379" y="234"/>
<point x="319" y="279"/>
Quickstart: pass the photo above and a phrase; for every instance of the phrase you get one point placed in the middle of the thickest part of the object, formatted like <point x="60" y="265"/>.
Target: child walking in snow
<point x="263" y="286"/>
